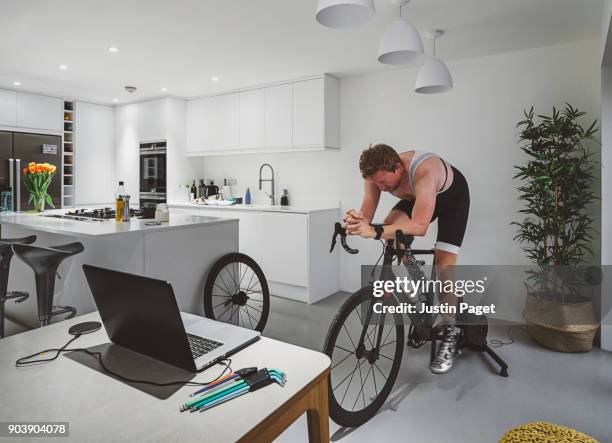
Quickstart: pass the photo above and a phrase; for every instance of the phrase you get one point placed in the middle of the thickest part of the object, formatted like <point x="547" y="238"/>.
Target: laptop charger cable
<point x="86" y="329"/>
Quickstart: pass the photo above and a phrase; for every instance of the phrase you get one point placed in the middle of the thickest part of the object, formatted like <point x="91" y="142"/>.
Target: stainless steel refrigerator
<point x="17" y="150"/>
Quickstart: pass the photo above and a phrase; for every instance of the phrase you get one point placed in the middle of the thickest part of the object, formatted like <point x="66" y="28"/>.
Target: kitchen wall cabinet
<point x="292" y="116"/>
<point x="8" y="108"/>
<point x="213" y="123"/>
<point x="316" y="109"/>
<point x="292" y="248"/>
<point x="278" y="116"/>
<point x="39" y="112"/>
<point x="252" y="119"/>
<point x="95" y="162"/>
<point x="151" y="121"/>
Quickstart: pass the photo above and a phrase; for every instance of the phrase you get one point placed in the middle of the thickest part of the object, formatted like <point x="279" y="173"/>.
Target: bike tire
<point x="337" y="410"/>
<point x="232" y="301"/>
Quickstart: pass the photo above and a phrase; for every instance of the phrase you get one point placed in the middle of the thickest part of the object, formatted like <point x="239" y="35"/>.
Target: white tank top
<point x="418" y="158"/>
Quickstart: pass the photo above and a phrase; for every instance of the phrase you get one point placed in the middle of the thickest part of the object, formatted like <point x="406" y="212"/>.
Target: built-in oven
<point x="152" y="174"/>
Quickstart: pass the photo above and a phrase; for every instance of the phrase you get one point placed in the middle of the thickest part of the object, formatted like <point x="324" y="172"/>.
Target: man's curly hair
<point x="376" y="158"/>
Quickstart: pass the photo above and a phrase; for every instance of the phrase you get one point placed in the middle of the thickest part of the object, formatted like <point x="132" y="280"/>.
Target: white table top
<point x="101" y="409"/>
<point x="81" y="229"/>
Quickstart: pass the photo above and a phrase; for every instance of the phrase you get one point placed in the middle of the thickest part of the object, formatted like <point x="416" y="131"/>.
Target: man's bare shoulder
<point x="406" y="156"/>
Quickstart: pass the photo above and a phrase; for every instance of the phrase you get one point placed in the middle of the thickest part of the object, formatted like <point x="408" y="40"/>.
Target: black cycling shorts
<point x="452" y="209"/>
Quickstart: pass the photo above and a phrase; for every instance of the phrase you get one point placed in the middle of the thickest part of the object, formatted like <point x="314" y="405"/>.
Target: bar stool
<point x="6" y="254"/>
<point x="44" y="262"/>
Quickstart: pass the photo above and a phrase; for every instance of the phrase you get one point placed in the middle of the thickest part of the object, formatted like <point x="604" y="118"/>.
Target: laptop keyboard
<point x="200" y="345"/>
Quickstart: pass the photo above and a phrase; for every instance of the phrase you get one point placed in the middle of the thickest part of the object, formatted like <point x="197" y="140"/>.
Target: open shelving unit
<point x="68" y="126"/>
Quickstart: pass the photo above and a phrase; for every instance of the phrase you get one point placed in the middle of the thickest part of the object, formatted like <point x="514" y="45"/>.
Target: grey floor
<point x="471" y="403"/>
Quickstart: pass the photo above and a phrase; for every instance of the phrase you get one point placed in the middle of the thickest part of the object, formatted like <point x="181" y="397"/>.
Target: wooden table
<point x="100" y="408"/>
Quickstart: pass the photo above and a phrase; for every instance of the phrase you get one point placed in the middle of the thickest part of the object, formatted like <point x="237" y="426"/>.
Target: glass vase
<point x="39" y="203"/>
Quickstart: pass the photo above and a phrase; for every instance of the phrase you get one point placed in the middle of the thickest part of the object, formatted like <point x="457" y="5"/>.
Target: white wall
<point x="606" y="161"/>
<point x="472" y="126"/>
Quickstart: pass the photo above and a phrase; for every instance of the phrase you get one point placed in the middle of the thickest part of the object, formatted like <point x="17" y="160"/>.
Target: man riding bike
<point x="428" y="188"/>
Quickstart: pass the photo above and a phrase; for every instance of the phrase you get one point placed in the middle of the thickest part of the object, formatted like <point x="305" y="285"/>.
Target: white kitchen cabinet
<point x="8" y="108"/>
<point x="285" y="254"/>
<point x="300" y="115"/>
<point x="152" y="120"/>
<point x="290" y="246"/>
<point x="94" y="164"/>
<point x="252" y="119"/>
<point x="197" y="113"/>
<point x="316" y="108"/>
<point x="213" y="123"/>
<point x="127" y="155"/>
<point x="278" y="116"/>
<point x="39" y="112"/>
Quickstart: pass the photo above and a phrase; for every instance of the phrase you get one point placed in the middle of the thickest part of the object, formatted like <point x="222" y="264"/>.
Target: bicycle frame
<point x="392" y="249"/>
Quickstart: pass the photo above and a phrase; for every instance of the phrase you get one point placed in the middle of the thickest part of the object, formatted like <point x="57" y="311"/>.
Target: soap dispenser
<point x="247" y="197"/>
<point x="285" y="198"/>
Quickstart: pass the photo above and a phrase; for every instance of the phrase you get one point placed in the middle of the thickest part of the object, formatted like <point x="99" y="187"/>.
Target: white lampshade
<point x="434" y="77"/>
<point x="401" y="44"/>
<point x="344" y="13"/>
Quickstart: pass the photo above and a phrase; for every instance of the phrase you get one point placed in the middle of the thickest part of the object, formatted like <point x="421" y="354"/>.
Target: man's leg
<point x="445" y="271"/>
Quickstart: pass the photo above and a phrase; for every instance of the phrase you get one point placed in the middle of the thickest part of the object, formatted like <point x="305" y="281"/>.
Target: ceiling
<point x="182" y="44"/>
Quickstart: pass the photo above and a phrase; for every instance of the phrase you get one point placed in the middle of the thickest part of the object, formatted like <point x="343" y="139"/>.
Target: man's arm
<point x="424" y="205"/>
<point x="369" y="203"/>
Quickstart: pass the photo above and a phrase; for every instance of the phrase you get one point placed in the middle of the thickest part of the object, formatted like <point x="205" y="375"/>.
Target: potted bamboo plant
<point x="556" y="229"/>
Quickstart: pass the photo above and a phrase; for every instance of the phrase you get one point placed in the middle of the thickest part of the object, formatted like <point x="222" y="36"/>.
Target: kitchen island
<point x="180" y="251"/>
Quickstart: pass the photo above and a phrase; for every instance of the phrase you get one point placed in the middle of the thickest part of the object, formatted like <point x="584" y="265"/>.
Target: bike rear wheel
<point x="361" y="375"/>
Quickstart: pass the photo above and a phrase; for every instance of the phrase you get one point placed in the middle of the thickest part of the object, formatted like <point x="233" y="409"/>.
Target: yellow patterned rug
<point x="542" y="432"/>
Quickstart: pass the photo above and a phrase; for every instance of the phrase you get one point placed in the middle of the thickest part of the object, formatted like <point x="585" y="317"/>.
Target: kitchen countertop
<point x="81" y="229"/>
<point x="264" y="208"/>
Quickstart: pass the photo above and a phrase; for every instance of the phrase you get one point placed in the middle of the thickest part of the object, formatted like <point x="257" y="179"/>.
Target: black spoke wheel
<point x="362" y="374"/>
<point x="236" y="292"/>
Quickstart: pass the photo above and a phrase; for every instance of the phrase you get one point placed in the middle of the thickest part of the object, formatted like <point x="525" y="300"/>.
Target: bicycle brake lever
<point x="339" y="230"/>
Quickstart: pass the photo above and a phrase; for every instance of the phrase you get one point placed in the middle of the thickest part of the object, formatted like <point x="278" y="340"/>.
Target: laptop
<point x="141" y="314"/>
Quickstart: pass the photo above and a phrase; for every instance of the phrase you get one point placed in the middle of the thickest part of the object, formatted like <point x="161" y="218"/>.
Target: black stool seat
<point x="44" y="262"/>
<point x="6" y="255"/>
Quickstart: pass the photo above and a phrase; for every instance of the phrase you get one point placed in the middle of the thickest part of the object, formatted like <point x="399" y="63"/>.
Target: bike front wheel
<point x="362" y="374"/>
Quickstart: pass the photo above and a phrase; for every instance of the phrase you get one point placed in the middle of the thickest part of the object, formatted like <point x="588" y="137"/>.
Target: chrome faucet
<point x="271" y="180"/>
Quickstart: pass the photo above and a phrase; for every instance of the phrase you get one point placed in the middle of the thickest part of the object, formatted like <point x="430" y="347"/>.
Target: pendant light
<point x="401" y="42"/>
<point x="342" y="14"/>
<point x="434" y="77"/>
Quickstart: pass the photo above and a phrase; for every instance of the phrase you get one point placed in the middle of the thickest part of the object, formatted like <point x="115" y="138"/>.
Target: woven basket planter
<point x="562" y="327"/>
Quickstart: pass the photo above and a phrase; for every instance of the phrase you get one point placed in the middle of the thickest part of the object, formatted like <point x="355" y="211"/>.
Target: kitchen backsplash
<point x="305" y="175"/>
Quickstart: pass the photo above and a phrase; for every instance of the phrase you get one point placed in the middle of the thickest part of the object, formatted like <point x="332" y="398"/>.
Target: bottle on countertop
<point x="212" y="189"/>
<point x="247" y="197"/>
<point x="201" y="189"/>
<point x="119" y="202"/>
<point x="194" y="191"/>
<point x="285" y="198"/>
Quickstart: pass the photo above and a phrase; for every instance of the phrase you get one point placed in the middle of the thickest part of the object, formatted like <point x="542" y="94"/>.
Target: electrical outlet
<point x="231" y="181"/>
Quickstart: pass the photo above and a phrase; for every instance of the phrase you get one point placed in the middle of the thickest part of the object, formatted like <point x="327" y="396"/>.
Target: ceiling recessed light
<point x="164" y="89"/>
<point x="215" y="79"/>
<point x="115" y="100"/>
<point x="63" y="67"/>
<point x="17" y="83"/>
<point x="113" y="49"/>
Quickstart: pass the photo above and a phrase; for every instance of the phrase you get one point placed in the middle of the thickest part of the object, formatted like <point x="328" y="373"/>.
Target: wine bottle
<point x="194" y="191"/>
